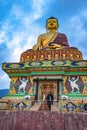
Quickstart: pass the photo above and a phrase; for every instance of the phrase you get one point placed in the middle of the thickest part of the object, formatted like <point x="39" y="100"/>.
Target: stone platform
<point x="40" y="120"/>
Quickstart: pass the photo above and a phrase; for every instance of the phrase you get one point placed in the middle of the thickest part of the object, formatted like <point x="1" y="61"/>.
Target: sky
<point x="22" y="21"/>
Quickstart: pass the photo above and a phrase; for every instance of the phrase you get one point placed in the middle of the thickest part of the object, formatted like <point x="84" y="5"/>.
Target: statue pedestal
<point x="69" y="53"/>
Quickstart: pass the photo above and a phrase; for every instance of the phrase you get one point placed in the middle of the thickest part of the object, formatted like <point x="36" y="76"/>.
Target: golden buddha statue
<point x="52" y="39"/>
<point x="52" y="45"/>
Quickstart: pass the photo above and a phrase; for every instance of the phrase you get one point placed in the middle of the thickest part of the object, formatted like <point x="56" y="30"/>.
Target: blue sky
<point x="21" y="21"/>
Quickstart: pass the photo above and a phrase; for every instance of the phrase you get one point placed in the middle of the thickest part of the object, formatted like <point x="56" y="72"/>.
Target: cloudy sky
<point x="21" y="21"/>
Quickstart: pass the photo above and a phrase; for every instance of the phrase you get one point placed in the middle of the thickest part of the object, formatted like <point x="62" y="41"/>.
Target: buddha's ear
<point x="58" y="25"/>
<point x="46" y="27"/>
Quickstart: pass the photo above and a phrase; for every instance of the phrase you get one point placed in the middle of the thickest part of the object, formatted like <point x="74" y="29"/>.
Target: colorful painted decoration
<point x="21" y="106"/>
<point x="70" y="106"/>
<point x="74" y="84"/>
<point x="85" y="107"/>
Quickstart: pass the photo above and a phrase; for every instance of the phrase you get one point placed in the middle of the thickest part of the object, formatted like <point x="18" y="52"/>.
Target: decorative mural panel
<point x="20" y="105"/>
<point x="3" y="105"/>
<point x="15" y="105"/>
<point x="85" y="107"/>
<point x="73" y="106"/>
<point x="85" y="83"/>
<point x="45" y="64"/>
<point x="74" y="84"/>
<point x="70" y="106"/>
<point x="22" y="85"/>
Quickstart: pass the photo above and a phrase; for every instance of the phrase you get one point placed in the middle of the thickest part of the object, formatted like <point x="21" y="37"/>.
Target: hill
<point x="3" y="92"/>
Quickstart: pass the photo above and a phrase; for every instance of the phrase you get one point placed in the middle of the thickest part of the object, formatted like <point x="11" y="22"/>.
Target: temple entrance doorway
<point x="46" y="87"/>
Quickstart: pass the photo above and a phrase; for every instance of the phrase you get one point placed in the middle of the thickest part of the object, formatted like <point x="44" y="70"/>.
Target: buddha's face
<point x="52" y="24"/>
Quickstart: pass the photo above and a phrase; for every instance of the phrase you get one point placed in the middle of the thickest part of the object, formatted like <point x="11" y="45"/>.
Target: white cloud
<point x="15" y="57"/>
<point x="76" y="30"/>
<point x="19" y="32"/>
<point x="4" y="81"/>
<point x="38" y="7"/>
<point x="4" y="76"/>
<point x="23" y="35"/>
<point x="75" y="27"/>
<point x="79" y="32"/>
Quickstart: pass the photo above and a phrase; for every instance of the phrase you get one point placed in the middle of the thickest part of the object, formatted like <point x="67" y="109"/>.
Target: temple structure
<point x="51" y="66"/>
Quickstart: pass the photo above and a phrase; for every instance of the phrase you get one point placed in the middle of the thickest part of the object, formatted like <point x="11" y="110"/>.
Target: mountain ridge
<point x="3" y="92"/>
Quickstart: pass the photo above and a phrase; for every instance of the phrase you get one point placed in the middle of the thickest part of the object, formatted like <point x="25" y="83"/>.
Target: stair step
<point x="36" y="106"/>
<point x="44" y="106"/>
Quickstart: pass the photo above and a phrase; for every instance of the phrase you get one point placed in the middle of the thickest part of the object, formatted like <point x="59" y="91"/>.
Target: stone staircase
<point x="43" y="107"/>
<point x="55" y="106"/>
<point x="35" y="106"/>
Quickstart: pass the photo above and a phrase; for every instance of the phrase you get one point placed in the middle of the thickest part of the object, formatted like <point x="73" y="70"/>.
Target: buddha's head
<point x="52" y="23"/>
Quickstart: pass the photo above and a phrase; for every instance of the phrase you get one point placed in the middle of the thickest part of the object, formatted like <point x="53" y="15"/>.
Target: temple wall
<point x="73" y="96"/>
<point x="66" y="87"/>
<point x="23" y="120"/>
<point x="70" y="99"/>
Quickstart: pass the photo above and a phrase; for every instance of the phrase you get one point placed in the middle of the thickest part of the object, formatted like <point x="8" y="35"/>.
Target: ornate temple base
<point x="45" y="71"/>
<point x="69" y="53"/>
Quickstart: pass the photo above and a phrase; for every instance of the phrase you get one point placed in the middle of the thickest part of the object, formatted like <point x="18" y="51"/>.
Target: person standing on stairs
<point x="49" y="100"/>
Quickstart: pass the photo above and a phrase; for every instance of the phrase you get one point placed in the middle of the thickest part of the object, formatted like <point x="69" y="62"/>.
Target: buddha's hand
<point x="55" y="46"/>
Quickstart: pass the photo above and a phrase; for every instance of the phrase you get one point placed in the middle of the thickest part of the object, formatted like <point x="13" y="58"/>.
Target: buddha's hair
<point x="52" y="18"/>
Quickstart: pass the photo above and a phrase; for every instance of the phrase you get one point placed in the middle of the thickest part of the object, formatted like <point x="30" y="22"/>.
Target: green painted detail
<point x="21" y="94"/>
<point x="43" y="73"/>
<point x="75" y="96"/>
<point x="76" y="73"/>
<point x="19" y="74"/>
<point x="15" y="95"/>
<point x="32" y="94"/>
<point x="59" y="72"/>
<point x="47" y="72"/>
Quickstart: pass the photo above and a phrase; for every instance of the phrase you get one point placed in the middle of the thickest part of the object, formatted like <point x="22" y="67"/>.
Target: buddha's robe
<point x="60" y="39"/>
